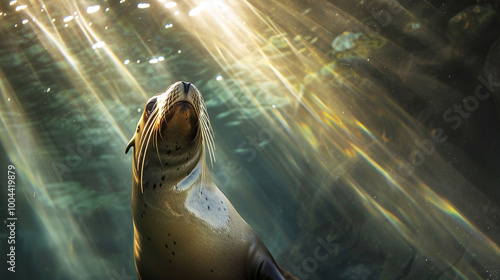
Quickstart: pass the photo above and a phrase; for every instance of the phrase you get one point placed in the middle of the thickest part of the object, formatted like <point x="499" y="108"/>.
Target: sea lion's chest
<point x="196" y="233"/>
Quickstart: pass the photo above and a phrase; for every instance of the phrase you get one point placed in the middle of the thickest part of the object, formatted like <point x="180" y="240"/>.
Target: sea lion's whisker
<point x="157" y="125"/>
<point x="143" y="148"/>
<point x="143" y="160"/>
<point x="163" y="106"/>
<point x="206" y="129"/>
<point x="148" y="131"/>
<point x="147" y="128"/>
<point x="208" y="135"/>
<point x="160" y="127"/>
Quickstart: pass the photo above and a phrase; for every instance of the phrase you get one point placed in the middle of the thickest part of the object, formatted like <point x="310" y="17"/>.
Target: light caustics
<point x="22" y="141"/>
<point x="259" y="54"/>
<point x="288" y="78"/>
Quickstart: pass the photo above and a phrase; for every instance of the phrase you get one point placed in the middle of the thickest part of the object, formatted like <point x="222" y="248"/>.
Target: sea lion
<point x="184" y="226"/>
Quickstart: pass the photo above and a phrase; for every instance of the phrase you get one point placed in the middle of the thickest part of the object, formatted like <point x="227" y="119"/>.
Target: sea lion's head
<point x="171" y="133"/>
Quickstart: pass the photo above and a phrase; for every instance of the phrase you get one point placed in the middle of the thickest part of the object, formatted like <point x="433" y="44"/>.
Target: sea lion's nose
<point x="186" y="87"/>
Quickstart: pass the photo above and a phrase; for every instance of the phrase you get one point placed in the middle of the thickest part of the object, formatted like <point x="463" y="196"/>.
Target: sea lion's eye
<point x="151" y="106"/>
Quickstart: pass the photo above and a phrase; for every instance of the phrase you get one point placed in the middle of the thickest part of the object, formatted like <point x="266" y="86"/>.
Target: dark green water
<point x="360" y="139"/>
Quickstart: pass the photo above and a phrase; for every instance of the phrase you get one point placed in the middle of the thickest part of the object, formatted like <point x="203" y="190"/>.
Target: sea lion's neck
<point x="170" y="165"/>
<point x="181" y="159"/>
<point x="199" y="175"/>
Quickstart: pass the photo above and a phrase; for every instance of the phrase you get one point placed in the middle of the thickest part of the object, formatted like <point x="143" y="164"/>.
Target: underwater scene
<point x="360" y="139"/>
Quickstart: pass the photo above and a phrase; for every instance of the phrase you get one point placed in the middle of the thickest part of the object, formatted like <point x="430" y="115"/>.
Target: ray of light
<point x="329" y="113"/>
<point x="263" y="45"/>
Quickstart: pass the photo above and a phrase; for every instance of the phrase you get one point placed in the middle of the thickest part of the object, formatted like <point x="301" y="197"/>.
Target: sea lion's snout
<point x="183" y="91"/>
<point x="186" y="86"/>
<point x="178" y="115"/>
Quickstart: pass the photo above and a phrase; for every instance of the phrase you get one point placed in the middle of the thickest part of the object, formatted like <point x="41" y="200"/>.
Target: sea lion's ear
<point x="130" y="144"/>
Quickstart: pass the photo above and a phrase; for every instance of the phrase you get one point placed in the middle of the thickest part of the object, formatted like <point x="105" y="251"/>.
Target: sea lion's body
<point x="184" y="226"/>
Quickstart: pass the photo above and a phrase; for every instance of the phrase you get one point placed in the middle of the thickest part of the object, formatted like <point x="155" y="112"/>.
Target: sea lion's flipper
<point x="261" y="264"/>
<point x="269" y="270"/>
<point x="287" y="274"/>
<point x="130" y="144"/>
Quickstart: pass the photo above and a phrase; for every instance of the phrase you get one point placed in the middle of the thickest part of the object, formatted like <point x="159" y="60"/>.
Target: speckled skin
<point x="184" y="226"/>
